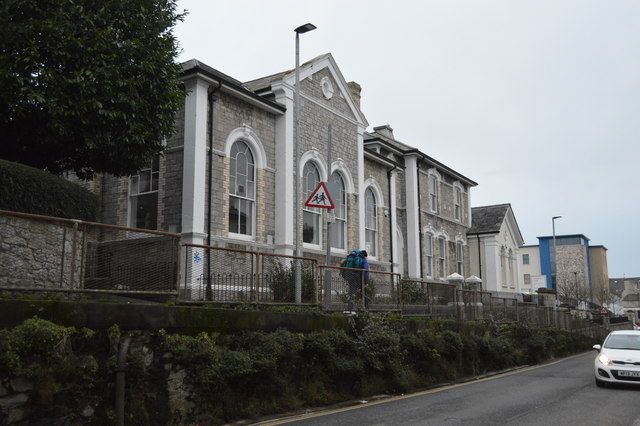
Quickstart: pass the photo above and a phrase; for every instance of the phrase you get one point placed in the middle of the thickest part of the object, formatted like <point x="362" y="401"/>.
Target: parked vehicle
<point x="618" y="359"/>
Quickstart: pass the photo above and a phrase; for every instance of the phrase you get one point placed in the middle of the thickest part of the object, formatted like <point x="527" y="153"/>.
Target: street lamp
<point x="554" y="270"/>
<point x="296" y="188"/>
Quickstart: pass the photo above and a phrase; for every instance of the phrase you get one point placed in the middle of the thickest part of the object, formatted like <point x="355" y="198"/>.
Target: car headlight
<point x="604" y="359"/>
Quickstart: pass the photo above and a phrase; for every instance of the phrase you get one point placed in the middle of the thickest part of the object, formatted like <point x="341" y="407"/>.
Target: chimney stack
<point x="384" y="130"/>
<point x="355" y="89"/>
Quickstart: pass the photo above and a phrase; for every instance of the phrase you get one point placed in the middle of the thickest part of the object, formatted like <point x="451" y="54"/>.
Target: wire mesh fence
<point x="343" y="289"/>
<point x="220" y="274"/>
<point x="43" y="252"/>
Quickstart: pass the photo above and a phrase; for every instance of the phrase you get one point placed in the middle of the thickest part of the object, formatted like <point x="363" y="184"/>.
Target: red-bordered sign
<point x="320" y="198"/>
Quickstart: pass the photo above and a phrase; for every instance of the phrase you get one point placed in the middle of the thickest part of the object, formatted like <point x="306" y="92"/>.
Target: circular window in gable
<point x="327" y="87"/>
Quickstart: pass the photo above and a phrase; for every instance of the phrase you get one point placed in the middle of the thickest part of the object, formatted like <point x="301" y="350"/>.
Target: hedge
<point x="28" y="190"/>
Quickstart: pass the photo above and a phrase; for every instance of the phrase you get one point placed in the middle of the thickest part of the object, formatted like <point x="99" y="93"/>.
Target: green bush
<point x="282" y="283"/>
<point x="42" y="352"/>
<point x="28" y="190"/>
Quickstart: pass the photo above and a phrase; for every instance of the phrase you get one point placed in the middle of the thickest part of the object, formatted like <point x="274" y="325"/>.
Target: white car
<point x="618" y="359"/>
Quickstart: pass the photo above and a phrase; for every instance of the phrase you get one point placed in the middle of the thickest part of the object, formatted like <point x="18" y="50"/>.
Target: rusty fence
<point x="352" y="289"/>
<point x="220" y="274"/>
<point x="48" y="253"/>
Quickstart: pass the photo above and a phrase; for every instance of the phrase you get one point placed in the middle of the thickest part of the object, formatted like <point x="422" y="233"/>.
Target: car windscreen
<point x="623" y="341"/>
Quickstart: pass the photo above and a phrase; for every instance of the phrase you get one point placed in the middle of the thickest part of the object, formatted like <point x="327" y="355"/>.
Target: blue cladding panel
<point x="545" y="260"/>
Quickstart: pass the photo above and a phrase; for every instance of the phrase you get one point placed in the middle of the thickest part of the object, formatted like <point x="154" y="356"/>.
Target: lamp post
<point x="554" y="270"/>
<point x="296" y="182"/>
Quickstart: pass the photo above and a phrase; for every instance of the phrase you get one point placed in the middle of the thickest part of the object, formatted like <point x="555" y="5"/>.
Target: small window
<point x="370" y="222"/>
<point x="458" y="203"/>
<point x="143" y="200"/>
<point x="339" y="226"/>
<point x="525" y="259"/>
<point x="433" y="193"/>
<point x="459" y="258"/>
<point x="527" y="279"/>
<point x="429" y="253"/>
<point x="442" y="257"/>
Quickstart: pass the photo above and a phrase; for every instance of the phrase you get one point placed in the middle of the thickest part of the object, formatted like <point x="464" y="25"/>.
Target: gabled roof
<point x="488" y="219"/>
<point x="262" y="85"/>
<point x="404" y="149"/>
<point x="228" y="84"/>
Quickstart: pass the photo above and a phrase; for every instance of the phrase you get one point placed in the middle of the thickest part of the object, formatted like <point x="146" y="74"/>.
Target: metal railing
<point x="220" y="274"/>
<point x="49" y="253"/>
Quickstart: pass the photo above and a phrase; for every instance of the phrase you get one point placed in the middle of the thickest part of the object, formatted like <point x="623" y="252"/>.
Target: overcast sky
<point x="537" y="101"/>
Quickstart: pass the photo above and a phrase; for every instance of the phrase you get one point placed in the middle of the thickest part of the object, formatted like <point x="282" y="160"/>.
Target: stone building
<point x="227" y="176"/>
<point x="430" y="208"/>
<point x="494" y="244"/>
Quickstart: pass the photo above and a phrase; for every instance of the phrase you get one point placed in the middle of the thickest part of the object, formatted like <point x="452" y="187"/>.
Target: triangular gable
<point x="510" y="221"/>
<point x="327" y="61"/>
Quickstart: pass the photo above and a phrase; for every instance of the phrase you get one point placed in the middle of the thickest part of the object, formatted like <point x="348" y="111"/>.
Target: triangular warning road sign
<point x="320" y="198"/>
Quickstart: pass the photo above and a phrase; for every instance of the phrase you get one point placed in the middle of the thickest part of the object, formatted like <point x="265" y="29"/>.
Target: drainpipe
<point x="479" y="258"/>
<point x="120" y="379"/>
<point x="212" y="98"/>
<point x="420" y="220"/>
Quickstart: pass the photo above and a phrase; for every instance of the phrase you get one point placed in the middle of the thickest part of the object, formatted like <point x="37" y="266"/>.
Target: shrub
<point x="28" y="190"/>
<point x="282" y="283"/>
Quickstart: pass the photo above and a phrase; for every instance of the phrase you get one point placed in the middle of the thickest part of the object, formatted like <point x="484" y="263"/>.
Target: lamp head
<point x="305" y="28"/>
<point x="556" y="217"/>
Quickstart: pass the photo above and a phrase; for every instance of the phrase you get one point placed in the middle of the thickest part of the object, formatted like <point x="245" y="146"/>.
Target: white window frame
<point x="459" y="258"/>
<point x="341" y="198"/>
<point x="134" y="194"/>
<point x="429" y="254"/>
<point x="442" y="257"/>
<point x="457" y="203"/>
<point x="526" y="256"/>
<point x="250" y="236"/>
<point x="367" y="229"/>
<point x="432" y="183"/>
<point x="306" y="192"/>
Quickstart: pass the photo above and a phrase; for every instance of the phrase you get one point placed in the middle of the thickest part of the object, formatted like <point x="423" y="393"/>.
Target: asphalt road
<point x="560" y="393"/>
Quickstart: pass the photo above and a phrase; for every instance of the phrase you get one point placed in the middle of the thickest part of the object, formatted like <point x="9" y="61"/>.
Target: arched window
<point x="242" y="189"/>
<point x="429" y="249"/>
<point x="459" y="258"/>
<point x="311" y="221"/>
<point x="339" y="226"/>
<point x="503" y="268"/>
<point x="370" y="222"/>
<point x="442" y="259"/>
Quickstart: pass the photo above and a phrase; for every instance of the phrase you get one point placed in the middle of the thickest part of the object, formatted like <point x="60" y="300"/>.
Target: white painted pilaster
<point x="284" y="217"/>
<point x="413" y="229"/>
<point x="492" y="281"/>
<point x="194" y="161"/>
<point x="361" y="233"/>
<point x="394" y="221"/>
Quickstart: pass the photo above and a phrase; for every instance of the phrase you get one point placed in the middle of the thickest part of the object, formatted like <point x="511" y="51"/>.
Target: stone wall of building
<point x="231" y="114"/>
<point x="377" y="172"/>
<point x="444" y="223"/>
<point x="311" y="87"/>
<point x="315" y="117"/>
<point x="572" y="270"/>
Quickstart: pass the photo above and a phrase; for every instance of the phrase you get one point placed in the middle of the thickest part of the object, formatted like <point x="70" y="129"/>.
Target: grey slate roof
<point x="487" y="219"/>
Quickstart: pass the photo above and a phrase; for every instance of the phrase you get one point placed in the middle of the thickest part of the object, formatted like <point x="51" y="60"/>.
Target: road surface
<point x="560" y="393"/>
